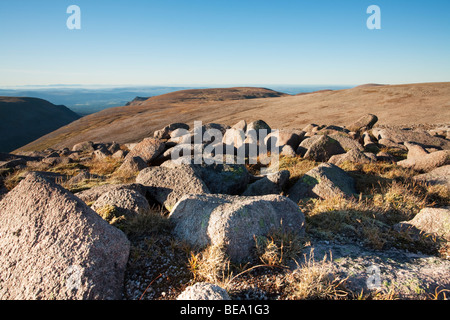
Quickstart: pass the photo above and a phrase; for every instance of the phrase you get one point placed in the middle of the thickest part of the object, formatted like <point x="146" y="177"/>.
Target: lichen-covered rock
<point x="421" y="160"/>
<point x="438" y="176"/>
<point x="204" y="291"/>
<point x="323" y="149"/>
<point x="148" y="149"/>
<point x="53" y="246"/>
<point x="233" y="221"/>
<point x="87" y="146"/>
<point x="354" y="156"/>
<point x="271" y="184"/>
<point x="132" y="165"/>
<point x="325" y="181"/>
<point x="127" y="202"/>
<point x="429" y="221"/>
<point x="168" y="185"/>
<point x="416" y="136"/>
<point x="165" y="132"/>
<point x="366" y="122"/>
<point x="91" y="195"/>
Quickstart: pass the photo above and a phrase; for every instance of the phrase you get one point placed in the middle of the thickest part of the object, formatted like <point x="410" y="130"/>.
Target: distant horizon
<point x="214" y="85"/>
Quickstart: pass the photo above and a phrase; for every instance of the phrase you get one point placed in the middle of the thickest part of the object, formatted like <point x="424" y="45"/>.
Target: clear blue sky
<point x="206" y="42"/>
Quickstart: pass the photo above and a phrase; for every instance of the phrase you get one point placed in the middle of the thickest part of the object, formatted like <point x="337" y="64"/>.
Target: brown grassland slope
<point x="409" y="104"/>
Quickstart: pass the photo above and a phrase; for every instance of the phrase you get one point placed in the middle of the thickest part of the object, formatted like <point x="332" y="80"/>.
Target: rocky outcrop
<point x="364" y="123"/>
<point x="421" y="160"/>
<point x="126" y="202"/>
<point x="53" y="246"/>
<point x="169" y="185"/>
<point x="323" y="149"/>
<point x="233" y="221"/>
<point x="325" y="181"/>
<point x="438" y="176"/>
<point x="148" y="149"/>
<point x="435" y="221"/>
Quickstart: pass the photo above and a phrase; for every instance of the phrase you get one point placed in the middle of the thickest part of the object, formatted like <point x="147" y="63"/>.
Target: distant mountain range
<point x="23" y="120"/>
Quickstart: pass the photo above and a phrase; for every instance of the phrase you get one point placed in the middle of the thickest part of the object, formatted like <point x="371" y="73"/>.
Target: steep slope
<point x="409" y="104"/>
<point x="26" y="119"/>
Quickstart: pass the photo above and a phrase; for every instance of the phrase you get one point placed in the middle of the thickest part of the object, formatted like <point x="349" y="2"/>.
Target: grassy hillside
<point x="409" y="104"/>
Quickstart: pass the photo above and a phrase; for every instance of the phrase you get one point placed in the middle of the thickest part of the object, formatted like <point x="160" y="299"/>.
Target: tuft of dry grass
<point x="315" y="280"/>
<point x="211" y="265"/>
<point x="279" y="248"/>
<point x="370" y="219"/>
<point x="103" y="167"/>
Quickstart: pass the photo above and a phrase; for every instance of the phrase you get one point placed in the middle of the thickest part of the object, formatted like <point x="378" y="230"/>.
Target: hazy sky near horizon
<point x="210" y="42"/>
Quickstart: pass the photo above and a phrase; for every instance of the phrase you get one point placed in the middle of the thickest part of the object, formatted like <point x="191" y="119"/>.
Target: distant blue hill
<point x="85" y="100"/>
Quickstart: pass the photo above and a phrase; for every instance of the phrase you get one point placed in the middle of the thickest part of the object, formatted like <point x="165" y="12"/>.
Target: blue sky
<point x="223" y="42"/>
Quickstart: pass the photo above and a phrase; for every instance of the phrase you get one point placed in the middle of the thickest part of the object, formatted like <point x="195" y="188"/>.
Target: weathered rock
<point x="148" y="149"/>
<point x="119" y="155"/>
<point x="234" y="137"/>
<point x="419" y="159"/>
<point x="12" y="163"/>
<point x="385" y="156"/>
<point x="287" y="151"/>
<point x="101" y="154"/>
<point x="346" y="142"/>
<point x="91" y="195"/>
<point x="224" y="178"/>
<point x="410" y="275"/>
<point x="233" y="221"/>
<point x="204" y="291"/>
<point x="285" y="137"/>
<point x="168" y="185"/>
<point x="205" y="133"/>
<point x="114" y="147"/>
<point x="53" y="161"/>
<point x="429" y="221"/>
<point x="256" y="126"/>
<point x="50" y="176"/>
<point x="271" y="184"/>
<point x="3" y="190"/>
<point x="241" y="125"/>
<point x="219" y="178"/>
<point x="419" y="137"/>
<point x="438" y="176"/>
<point x="367" y="139"/>
<point x="181" y="136"/>
<point x="126" y="202"/>
<point x="390" y="144"/>
<point x="53" y="246"/>
<point x="323" y="149"/>
<point x="87" y="146"/>
<point x="132" y="165"/>
<point x="165" y="132"/>
<point x="325" y="181"/>
<point x="83" y="176"/>
<point x="310" y="127"/>
<point x="354" y="155"/>
<point x="364" y="123"/>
